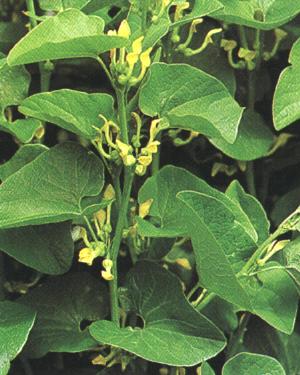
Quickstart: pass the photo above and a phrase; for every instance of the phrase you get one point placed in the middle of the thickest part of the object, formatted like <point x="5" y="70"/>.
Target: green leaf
<point x="286" y="104"/>
<point x="166" y="208"/>
<point x="264" y="15"/>
<point x="23" y="156"/>
<point x="253" y="141"/>
<point x="46" y="248"/>
<point x="213" y="62"/>
<point x="273" y="296"/>
<point x="252" y="364"/>
<point x="14" y="85"/>
<point x="51" y="188"/>
<point x="190" y="99"/>
<point x="69" y="34"/>
<point x="285" y="205"/>
<point x="200" y="9"/>
<point x="220" y="245"/>
<point x="173" y="333"/>
<point x="263" y="339"/>
<point x="75" y="111"/>
<point x="63" y="304"/>
<point x="16" y="321"/>
<point x="221" y="248"/>
<point x="253" y="209"/>
<point x="291" y="258"/>
<point x="59" y="5"/>
<point x="23" y="129"/>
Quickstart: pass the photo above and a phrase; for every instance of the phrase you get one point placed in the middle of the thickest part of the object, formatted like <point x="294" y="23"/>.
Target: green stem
<point x="243" y="37"/>
<point x="114" y="300"/>
<point x="237" y="338"/>
<point x="45" y="74"/>
<point x="206" y="300"/>
<point x="261" y="249"/>
<point x="122" y="105"/>
<point x="91" y="230"/>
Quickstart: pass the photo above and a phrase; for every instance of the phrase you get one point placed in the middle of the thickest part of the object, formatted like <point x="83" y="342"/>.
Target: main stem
<point x="44" y="73"/>
<point x="123" y="209"/>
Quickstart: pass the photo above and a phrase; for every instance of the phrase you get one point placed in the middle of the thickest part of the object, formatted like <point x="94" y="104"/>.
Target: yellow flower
<point x="101" y="217"/>
<point x="152" y="147"/>
<point x="124" y="148"/>
<point x="124" y="29"/>
<point x="154" y="128"/>
<point x="144" y="208"/>
<point x="145" y="160"/>
<point x="129" y="160"/>
<point x="145" y="58"/>
<point x="107" y="265"/>
<point x="131" y="59"/>
<point x="184" y="263"/>
<point x="86" y="255"/>
<point x="140" y="170"/>
<point x="137" y="45"/>
<point x="109" y="193"/>
<point x="180" y="8"/>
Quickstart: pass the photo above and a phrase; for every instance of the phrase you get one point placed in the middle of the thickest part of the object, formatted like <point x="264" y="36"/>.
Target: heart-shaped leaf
<point x="265" y="15"/>
<point x="23" y="156"/>
<point x="221" y="248"/>
<point x="253" y="141"/>
<point x="75" y="111"/>
<point x="69" y="34"/>
<point x="273" y="296"/>
<point x="166" y="208"/>
<point x="47" y="248"/>
<point x="51" y="188"/>
<point x="59" y="5"/>
<point x="190" y="99"/>
<point x="220" y="245"/>
<point x="16" y="321"/>
<point x="286" y="104"/>
<point x="252" y="207"/>
<point x="174" y="332"/>
<point x="63" y="304"/>
<point x="252" y="364"/>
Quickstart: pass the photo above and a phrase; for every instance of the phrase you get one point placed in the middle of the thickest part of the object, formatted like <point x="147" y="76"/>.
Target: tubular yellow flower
<point x="137" y="45"/>
<point x="154" y="129"/>
<point x="86" y="255"/>
<point x="140" y="170"/>
<point x="145" y="58"/>
<point x="107" y="265"/>
<point x="124" y="148"/>
<point x="129" y="160"/>
<point x="152" y="147"/>
<point x="180" y="8"/>
<point x="131" y="59"/>
<point x="124" y="29"/>
<point x="109" y="192"/>
<point x="228" y="45"/>
<point x="145" y="160"/>
<point x="184" y="263"/>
